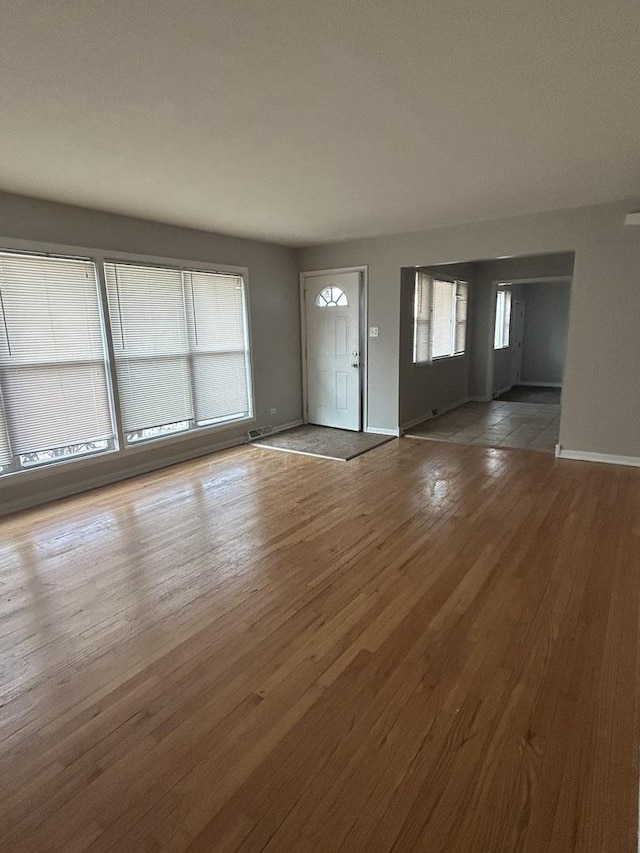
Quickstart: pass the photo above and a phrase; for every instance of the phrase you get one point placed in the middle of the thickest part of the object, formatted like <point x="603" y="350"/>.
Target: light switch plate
<point x="373" y="331"/>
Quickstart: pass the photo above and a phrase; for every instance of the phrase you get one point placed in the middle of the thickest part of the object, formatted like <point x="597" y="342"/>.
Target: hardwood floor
<point x="430" y="648"/>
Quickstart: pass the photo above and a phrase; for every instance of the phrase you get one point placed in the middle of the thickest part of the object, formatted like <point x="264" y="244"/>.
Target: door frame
<point x="363" y="270"/>
<point x="522" y="303"/>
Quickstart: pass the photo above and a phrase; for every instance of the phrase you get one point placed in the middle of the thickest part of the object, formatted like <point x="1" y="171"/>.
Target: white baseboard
<point x="606" y="458"/>
<point x="426" y="417"/>
<point x="485" y="399"/>
<point x="541" y="384"/>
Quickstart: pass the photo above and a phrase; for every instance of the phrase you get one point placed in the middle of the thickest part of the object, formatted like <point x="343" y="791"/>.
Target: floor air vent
<point x="258" y="433"/>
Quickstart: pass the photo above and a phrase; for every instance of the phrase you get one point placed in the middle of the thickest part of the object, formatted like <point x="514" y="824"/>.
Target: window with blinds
<point x="181" y="348"/>
<point x="54" y="382"/>
<point x="503" y="319"/>
<point x="440" y="318"/>
<point x="218" y="346"/>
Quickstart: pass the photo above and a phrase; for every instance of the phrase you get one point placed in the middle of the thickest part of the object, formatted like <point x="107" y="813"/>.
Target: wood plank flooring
<point x="430" y="648"/>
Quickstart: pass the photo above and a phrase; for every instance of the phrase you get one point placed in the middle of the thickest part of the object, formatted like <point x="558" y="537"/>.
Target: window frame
<point x="123" y="449"/>
<point x="456" y="283"/>
<point x="16" y="466"/>
<point x="505" y="322"/>
<point x="123" y="435"/>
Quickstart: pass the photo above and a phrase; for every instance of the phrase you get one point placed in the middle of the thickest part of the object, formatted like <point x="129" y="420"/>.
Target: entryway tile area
<point x="529" y="426"/>
<point x="326" y="442"/>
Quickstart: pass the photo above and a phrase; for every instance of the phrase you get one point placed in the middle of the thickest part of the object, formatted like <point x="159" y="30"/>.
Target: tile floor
<point x="531" y="426"/>
<point x="323" y="441"/>
<point x="531" y="394"/>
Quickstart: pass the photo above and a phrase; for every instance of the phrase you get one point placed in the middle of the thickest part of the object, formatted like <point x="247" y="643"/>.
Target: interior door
<point x="517" y="336"/>
<point x="332" y="328"/>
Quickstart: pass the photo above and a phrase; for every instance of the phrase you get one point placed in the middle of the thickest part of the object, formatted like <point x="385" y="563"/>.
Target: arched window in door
<point x="331" y="297"/>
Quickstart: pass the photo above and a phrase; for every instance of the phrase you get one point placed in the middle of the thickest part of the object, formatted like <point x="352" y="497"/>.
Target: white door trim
<point x="522" y="304"/>
<point x="364" y="337"/>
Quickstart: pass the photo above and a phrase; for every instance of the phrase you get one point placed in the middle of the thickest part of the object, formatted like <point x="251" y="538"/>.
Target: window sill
<point x="439" y="359"/>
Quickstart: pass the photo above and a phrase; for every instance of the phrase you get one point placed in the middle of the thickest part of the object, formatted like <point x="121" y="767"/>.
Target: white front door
<point x="332" y="327"/>
<point x="517" y="337"/>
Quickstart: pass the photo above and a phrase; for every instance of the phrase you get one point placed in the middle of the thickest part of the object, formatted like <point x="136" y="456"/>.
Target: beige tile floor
<point x="531" y="426"/>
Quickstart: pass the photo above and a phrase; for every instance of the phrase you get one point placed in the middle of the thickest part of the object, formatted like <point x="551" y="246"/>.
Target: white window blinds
<point x="219" y="348"/>
<point x="5" y="448"/>
<point x="150" y="344"/>
<point x="462" y="304"/>
<point x="443" y="315"/>
<point x="53" y="378"/>
<point x="179" y="340"/>
<point x="440" y="318"/>
<point x="181" y="347"/>
<point x="422" y="318"/>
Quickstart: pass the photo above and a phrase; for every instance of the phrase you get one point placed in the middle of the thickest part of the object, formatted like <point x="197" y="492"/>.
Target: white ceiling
<point x="304" y="121"/>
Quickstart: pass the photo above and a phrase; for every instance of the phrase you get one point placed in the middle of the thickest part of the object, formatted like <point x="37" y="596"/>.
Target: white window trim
<point x="501" y="288"/>
<point x="99" y="257"/>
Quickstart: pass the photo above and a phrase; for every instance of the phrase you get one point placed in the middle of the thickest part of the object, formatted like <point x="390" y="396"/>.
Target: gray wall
<point x="603" y="349"/>
<point x="275" y="328"/>
<point x="501" y="370"/>
<point x="443" y="384"/>
<point x="546" y="321"/>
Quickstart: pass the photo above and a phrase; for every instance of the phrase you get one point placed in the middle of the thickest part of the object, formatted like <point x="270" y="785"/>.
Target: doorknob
<point x="355" y="364"/>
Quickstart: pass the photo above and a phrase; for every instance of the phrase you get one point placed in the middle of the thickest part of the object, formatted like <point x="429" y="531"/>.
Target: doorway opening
<point x="503" y="385"/>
